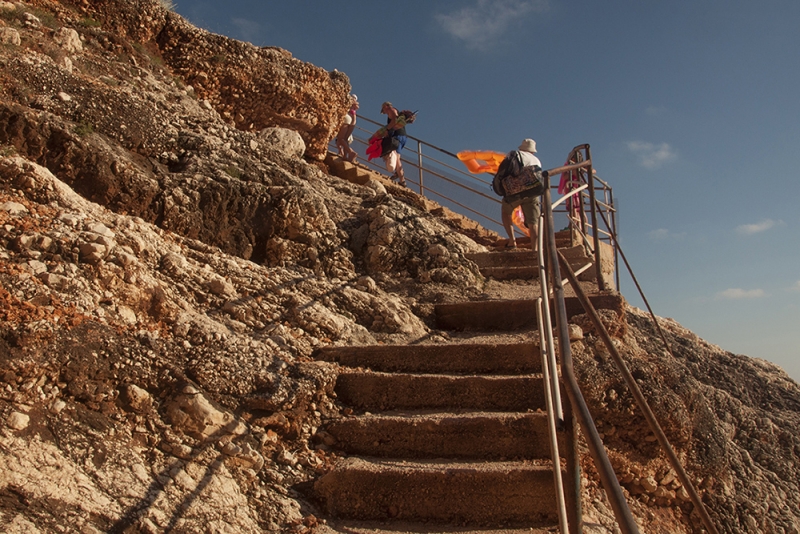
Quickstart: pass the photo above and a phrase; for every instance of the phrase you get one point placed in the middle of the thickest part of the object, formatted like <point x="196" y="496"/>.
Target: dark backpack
<point x="410" y="116"/>
<point x="528" y="183"/>
<point x="510" y="166"/>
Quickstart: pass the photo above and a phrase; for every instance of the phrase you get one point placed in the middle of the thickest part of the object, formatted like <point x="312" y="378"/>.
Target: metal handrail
<point x="472" y="184"/>
<point x="638" y="396"/>
<point x="608" y="479"/>
<point x="582" y="178"/>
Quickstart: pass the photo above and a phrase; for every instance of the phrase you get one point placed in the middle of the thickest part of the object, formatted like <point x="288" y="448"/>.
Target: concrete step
<point x="508" y="315"/>
<point x="485" y="493"/>
<point x="521" y="264"/>
<point x="510" y="258"/>
<point x="405" y="527"/>
<point x="510" y="273"/>
<point x="493" y="358"/>
<point x="346" y="170"/>
<point x="375" y="392"/>
<point x="524" y="243"/>
<point x="475" y="435"/>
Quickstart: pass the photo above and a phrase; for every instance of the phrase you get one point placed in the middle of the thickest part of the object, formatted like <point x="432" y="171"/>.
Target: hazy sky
<point x="691" y="107"/>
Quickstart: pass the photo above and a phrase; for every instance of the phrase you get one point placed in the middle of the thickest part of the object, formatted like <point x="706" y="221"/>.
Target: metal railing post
<point x="419" y="160"/>
<point x="598" y="266"/>
<point x="608" y="478"/>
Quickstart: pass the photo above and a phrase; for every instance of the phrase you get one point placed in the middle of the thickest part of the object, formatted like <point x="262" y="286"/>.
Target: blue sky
<point x="691" y="108"/>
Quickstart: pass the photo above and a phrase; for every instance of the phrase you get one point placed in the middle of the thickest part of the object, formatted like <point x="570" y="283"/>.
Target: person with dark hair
<point x="394" y="142"/>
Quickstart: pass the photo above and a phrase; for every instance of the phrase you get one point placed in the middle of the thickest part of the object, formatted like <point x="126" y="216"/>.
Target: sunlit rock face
<point x="172" y="253"/>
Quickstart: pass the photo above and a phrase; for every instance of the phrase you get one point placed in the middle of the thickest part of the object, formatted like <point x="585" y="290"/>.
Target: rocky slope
<point x="172" y="252"/>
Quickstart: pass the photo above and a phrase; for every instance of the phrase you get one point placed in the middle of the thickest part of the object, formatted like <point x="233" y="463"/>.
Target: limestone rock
<point x="18" y="421"/>
<point x="69" y="40"/>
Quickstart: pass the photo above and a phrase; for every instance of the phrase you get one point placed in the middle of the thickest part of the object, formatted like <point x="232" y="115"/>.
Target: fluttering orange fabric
<point x="478" y="161"/>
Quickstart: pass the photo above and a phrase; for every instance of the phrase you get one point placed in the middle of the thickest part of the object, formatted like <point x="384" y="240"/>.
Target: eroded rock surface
<point x="171" y="255"/>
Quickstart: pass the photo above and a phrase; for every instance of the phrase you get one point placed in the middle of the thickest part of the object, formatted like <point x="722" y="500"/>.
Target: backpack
<point x="410" y="116"/>
<point x="510" y="166"/>
<point x="527" y="183"/>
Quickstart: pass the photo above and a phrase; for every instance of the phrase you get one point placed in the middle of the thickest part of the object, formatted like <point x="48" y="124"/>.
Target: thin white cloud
<point x="736" y="293"/>
<point x="247" y="30"/>
<point x="651" y="156"/>
<point x="662" y="233"/>
<point x="795" y="287"/>
<point x="757" y="228"/>
<point x="479" y="26"/>
<point x="655" y="111"/>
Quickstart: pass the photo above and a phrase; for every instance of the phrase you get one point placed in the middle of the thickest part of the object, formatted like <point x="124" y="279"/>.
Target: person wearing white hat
<point x="530" y="203"/>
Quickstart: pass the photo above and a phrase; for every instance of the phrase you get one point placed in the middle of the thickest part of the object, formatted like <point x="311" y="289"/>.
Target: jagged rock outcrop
<point x="172" y="255"/>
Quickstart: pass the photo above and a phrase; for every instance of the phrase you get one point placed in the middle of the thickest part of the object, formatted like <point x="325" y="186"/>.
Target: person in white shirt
<point x="530" y="204"/>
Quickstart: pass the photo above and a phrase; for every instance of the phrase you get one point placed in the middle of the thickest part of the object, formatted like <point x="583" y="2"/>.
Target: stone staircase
<point x="451" y="435"/>
<point x="358" y="173"/>
<point x="521" y="264"/>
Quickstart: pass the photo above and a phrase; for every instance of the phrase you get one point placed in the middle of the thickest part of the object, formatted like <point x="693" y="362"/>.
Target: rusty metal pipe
<point x="608" y="478"/>
<point x="637" y="395"/>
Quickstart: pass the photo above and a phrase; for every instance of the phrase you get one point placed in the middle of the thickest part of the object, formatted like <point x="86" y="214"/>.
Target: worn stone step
<point x="508" y="315"/>
<point x="575" y="255"/>
<point x="405" y="527"/>
<point x="495" y="358"/>
<point x="374" y="392"/>
<point x="510" y="273"/>
<point x="511" y="258"/>
<point x="486" y="493"/>
<point x="476" y="435"/>
<point x="524" y="244"/>
<point x="522" y="258"/>
<point x="346" y="170"/>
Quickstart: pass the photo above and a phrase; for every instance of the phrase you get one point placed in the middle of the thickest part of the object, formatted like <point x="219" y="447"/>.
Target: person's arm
<point x="392" y="114"/>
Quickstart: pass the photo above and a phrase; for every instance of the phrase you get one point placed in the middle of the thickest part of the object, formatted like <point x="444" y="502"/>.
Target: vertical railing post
<point x="419" y="161"/>
<point x="601" y="284"/>
<point x="613" y="217"/>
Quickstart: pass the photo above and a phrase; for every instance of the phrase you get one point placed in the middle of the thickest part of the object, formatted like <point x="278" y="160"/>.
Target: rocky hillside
<point x="172" y="252"/>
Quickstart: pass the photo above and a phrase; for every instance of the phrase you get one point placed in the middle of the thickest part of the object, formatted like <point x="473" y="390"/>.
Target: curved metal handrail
<point x="579" y="161"/>
<point x="476" y="187"/>
<point x="608" y="479"/>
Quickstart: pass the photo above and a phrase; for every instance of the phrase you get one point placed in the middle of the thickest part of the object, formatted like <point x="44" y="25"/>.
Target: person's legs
<point x="531" y="211"/>
<point x="505" y="212"/>
<point x="395" y="166"/>
<point x="341" y="145"/>
<point x="401" y="177"/>
<point x="391" y="162"/>
<point x="534" y="231"/>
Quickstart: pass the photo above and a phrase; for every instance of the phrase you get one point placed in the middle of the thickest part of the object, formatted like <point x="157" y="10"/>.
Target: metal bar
<point x="565" y="168"/>
<point x="419" y="159"/>
<point x="544" y="349"/>
<point x="596" y="448"/>
<point x="573" y="459"/>
<point x="411" y="137"/>
<point x="637" y="394"/>
<point x="544" y="289"/>
<point x="573" y="192"/>
<point x="614" y="241"/>
<point x="465" y="207"/>
<point x="462" y="186"/>
<point x="575" y="508"/>
<point x="601" y="283"/>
